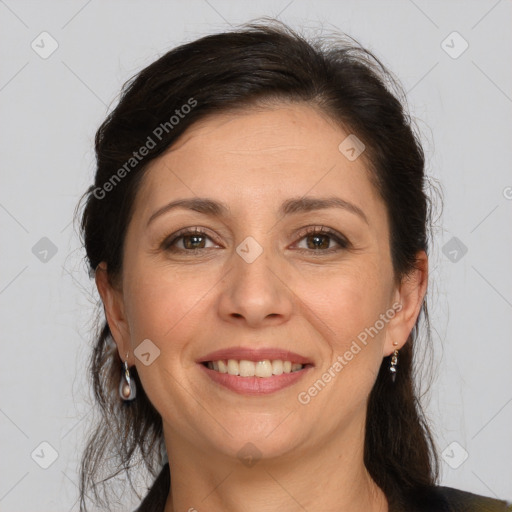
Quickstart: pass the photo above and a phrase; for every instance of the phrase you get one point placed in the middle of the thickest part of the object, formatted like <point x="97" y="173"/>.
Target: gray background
<point x="50" y="109"/>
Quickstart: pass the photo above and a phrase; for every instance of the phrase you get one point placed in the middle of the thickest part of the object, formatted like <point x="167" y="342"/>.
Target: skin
<point x="311" y="302"/>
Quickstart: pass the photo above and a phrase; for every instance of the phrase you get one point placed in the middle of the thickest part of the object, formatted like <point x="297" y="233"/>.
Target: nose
<point x="254" y="293"/>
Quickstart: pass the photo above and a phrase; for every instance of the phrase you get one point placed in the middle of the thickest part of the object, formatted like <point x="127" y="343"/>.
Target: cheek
<point x="348" y="305"/>
<point x="163" y="304"/>
<point x="344" y="303"/>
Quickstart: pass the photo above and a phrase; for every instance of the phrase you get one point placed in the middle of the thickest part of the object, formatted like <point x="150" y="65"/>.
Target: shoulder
<point x="467" y="501"/>
<point x="448" y="499"/>
<point x="431" y="499"/>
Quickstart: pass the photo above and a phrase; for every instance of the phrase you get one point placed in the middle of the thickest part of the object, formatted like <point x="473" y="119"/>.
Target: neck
<point x="331" y="478"/>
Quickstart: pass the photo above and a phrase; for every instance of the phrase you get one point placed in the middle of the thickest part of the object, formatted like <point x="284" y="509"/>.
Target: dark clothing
<point x="433" y="499"/>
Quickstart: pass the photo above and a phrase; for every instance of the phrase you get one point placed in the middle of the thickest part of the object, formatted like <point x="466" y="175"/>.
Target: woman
<point x="258" y="232"/>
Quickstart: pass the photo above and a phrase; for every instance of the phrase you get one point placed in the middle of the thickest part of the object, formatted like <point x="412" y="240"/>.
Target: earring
<point x="163" y="453"/>
<point x="127" y="389"/>
<point x="394" y="363"/>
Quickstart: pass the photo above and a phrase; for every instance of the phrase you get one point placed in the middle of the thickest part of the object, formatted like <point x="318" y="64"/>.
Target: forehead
<point x="282" y="132"/>
<point x="257" y="157"/>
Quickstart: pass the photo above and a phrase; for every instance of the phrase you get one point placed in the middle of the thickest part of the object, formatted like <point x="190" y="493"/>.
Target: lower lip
<point x="255" y="386"/>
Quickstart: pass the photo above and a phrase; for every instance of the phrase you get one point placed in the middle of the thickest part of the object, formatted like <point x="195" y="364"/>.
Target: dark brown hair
<point x="258" y="64"/>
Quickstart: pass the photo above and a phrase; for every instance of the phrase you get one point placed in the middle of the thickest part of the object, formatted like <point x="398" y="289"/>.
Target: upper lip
<point x="251" y="354"/>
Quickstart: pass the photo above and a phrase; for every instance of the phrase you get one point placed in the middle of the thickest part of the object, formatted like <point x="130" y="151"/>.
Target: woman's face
<point x="255" y="278"/>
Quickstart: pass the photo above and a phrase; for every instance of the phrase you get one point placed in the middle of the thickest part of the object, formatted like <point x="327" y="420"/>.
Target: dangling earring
<point x="163" y="453"/>
<point x="394" y="363"/>
<point x="127" y="389"/>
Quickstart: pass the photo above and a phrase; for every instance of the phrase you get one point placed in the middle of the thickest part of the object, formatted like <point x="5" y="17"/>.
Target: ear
<point x="410" y="295"/>
<point x="113" y="304"/>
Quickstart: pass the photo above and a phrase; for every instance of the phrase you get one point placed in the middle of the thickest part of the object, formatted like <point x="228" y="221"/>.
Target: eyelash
<point x="168" y="242"/>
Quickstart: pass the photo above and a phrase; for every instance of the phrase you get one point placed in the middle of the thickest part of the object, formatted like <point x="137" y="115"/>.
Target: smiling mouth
<point x="263" y="369"/>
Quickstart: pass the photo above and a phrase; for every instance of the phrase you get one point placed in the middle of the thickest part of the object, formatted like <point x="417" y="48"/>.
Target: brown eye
<point x="318" y="241"/>
<point x="321" y="240"/>
<point x="187" y="241"/>
<point x="193" y="241"/>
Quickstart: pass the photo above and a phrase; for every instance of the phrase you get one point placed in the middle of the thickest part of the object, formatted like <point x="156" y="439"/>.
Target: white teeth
<point x="233" y="368"/>
<point x="263" y="368"/>
<point x="245" y="368"/>
<point x="277" y="367"/>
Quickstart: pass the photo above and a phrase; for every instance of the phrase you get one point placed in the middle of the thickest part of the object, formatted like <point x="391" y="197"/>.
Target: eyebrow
<point x="288" y="207"/>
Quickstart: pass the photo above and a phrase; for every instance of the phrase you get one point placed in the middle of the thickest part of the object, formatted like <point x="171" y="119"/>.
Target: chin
<point x="263" y="438"/>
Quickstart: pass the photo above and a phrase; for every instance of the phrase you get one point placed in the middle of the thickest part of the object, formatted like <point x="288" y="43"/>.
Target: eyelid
<point x="168" y="240"/>
<point x="340" y="239"/>
<point x="343" y="243"/>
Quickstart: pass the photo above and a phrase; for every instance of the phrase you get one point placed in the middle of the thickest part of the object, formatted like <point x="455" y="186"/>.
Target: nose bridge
<point x="253" y="263"/>
<point x="255" y="291"/>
